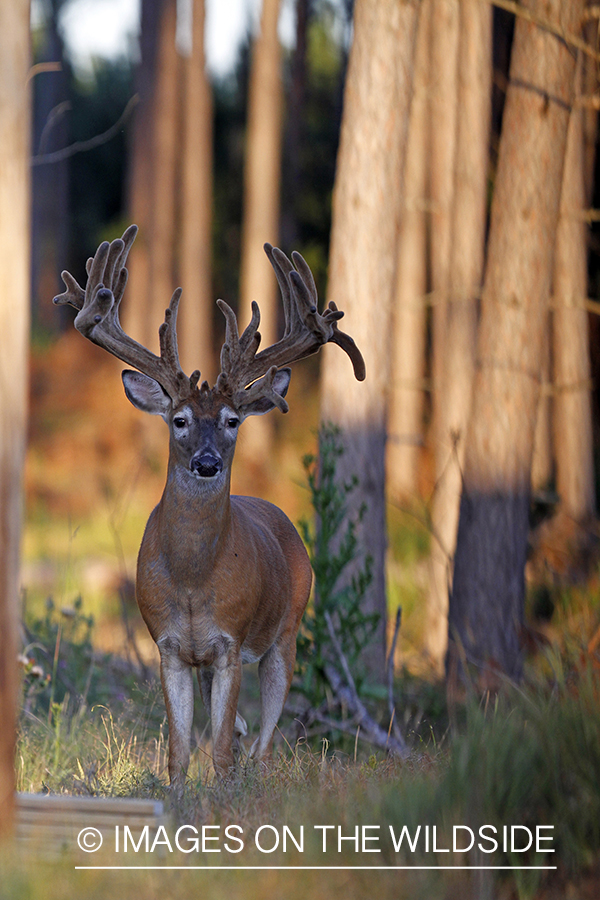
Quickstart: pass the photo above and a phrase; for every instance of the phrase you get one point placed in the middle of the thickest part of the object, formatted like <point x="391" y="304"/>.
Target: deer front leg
<point x="178" y="688"/>
<point x="224" y="693"/>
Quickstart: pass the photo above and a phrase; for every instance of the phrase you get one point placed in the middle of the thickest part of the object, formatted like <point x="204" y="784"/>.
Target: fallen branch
<point x="347" y="695"/>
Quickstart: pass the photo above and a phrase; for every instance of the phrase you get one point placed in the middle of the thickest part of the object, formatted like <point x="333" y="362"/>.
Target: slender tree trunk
<point x="262" y="174"/>
<point x="367" y="201"/>
<point x="49" y="182"/>
<point x="443" y="110"/>
<point x="465" y="273"/>
<point x="136" y="305"/>
<point x="410" y="313"/>
<point x="486" y="605"/>
<point x="262" y="177"/>
<point x="164" y="175"/>
<point x="14" y="335"/>
<point x="572" y="403"/>
<point x="195" y="342"/>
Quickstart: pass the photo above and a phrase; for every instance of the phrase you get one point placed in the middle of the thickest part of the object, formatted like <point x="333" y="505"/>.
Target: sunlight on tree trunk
<point x="465" y="272"/>
<point x="572" y="405"/>
<point x="164" y="176"/>
<point x="487" y="600"/>
<point x="262" y="177"/>
<point x="542" y="463"/>
<point x="136" y="317"/>
<point x="410" y="313"/>
<point x="196" y="342"/>
<point x="442" y="124"/>
<point x="367" y="202"/>
<point x="14" y="336"/>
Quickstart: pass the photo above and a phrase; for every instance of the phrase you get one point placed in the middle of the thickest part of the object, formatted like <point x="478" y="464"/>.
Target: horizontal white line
<point x="316" y="868"/>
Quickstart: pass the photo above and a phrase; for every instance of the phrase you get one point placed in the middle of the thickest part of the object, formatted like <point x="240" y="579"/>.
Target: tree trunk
<point x="486" y="605"/>
<point x="410" y="313"/>
<point x="164" y="173"/>
<point x="367" y="201"/>
<point x="196" y="342"/>
<point x="136" y="304"/>
<point x="572" y="404"/>
<point x="262" y="174"/>
<point x="262" y="177"/>
<point x="443" y="110"/>
<point x="14" y="336"/>
<point x="542" y="463"/>
<point x="465" y="273"/>
<point x="49" y="182"/>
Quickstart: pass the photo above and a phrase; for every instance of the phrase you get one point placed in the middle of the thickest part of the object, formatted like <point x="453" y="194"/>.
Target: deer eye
<point x="233" y="423"/>
<point x="179" y="422"/>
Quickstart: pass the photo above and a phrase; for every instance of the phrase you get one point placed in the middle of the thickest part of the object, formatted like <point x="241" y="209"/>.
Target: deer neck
<point x="194" y="518"/>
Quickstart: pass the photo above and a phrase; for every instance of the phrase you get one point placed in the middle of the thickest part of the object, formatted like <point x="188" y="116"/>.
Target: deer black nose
<point x="207" y="465"/>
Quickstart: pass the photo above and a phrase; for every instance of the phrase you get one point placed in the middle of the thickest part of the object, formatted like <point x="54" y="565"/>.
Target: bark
<point x="166" y="139"/>
<point x="137" y="297"/>
<point x="367" y="201"/>
<point x="14" y="334"/>
<point x="572" y="385"/>
<point x="486" y="605"/>
<point x="542" y="464"/>
<point x="49" y="182"/>
<point x="444" y="86"/>
<point x="410" y="313"/>
<point x="262" y="177"/>
<point x="465" y="273"/>
<point x="195" y="331"/>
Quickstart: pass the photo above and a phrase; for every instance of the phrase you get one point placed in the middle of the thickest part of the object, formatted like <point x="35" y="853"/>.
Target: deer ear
<point x="262" y="405"/>
<point x="145" y="393"/>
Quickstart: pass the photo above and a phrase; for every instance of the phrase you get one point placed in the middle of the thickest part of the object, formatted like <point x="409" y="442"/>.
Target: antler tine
<point x="98" y="317"/>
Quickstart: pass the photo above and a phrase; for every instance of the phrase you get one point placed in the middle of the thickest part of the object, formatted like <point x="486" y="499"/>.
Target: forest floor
<point x="93" y="720"/>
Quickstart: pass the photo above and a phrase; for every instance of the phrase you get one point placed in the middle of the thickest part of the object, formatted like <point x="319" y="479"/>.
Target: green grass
<point x="527" y="757"/>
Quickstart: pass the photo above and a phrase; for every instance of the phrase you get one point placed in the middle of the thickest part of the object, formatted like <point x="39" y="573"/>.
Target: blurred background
<point x="215" y="126"/>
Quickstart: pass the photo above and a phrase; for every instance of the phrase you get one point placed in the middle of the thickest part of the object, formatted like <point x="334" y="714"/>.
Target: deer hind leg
<point x="205" y="677"/>
<point x="275" y="675"/>
<point x="178" y="688"/>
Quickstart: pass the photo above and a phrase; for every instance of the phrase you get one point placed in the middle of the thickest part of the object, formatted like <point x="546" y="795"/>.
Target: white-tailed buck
<point x="221" y="580"/>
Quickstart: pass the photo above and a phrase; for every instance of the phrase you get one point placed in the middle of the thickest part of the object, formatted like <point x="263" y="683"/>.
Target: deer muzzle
<point x="206" y="464"/>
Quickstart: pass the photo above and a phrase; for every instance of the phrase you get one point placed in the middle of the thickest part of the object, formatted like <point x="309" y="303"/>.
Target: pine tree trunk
<point x="487" y="600"/>
<point x="367" y="202"/>
<point x="572" y="403"/>
<point x="195" y="332"/>
<point x="465" y="274"/>
<point x="443" y="118"/>
<point x="14" y="337"/>
<point x="410" y="313"/>
<point x="262" y="177"/>
<point x="136" y="303"/>
<point x="162" y="232"/>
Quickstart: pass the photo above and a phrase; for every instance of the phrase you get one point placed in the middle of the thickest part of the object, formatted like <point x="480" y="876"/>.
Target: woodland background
<point x="435" y="163"/>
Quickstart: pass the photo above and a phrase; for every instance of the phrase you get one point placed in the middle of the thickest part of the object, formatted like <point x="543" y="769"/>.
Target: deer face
<point x="203" y="427"/>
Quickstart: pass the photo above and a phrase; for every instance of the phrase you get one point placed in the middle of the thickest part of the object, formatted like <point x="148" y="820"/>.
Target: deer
<point x="222" y="580"/>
